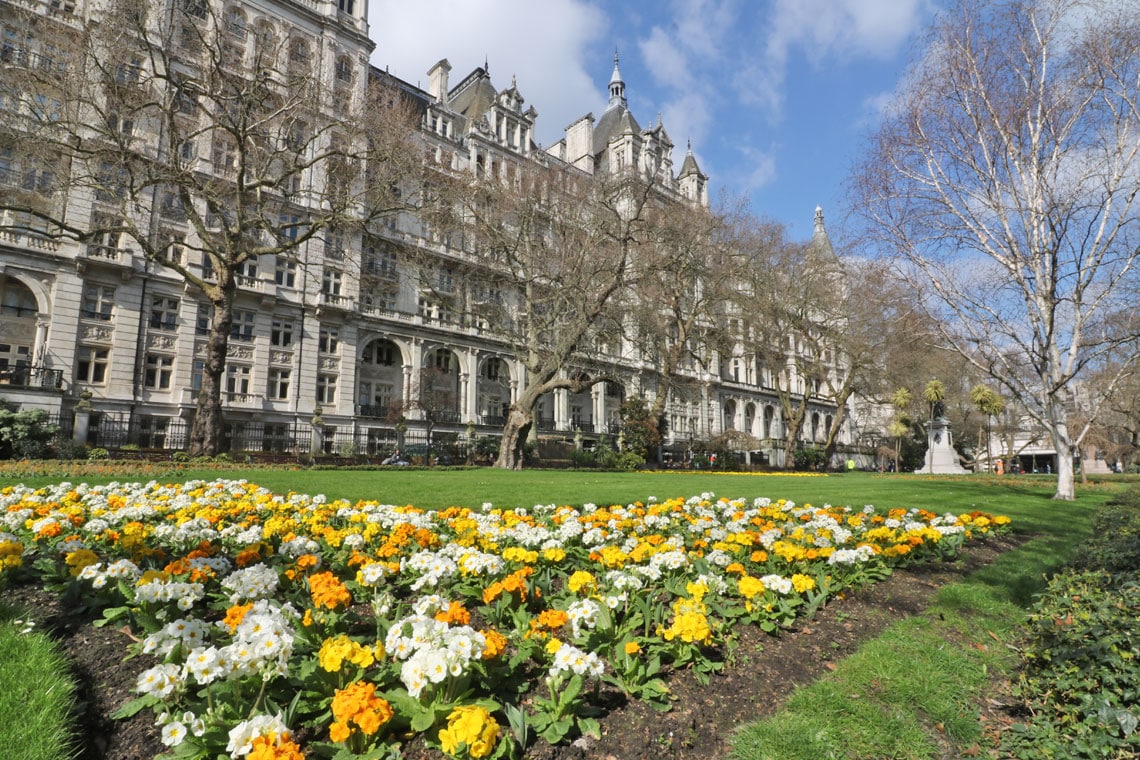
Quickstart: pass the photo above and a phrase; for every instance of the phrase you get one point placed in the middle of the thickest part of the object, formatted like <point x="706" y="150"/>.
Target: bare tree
<point x="549" y="249"/>
<point x="206" y="144"/>
<point x="1006" y="173"/>
<point x="789" y="293"/>
<point x="683" y="282"/>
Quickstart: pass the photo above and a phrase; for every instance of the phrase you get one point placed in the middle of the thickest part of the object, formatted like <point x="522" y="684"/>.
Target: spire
<point x="820" y="241"/>
<point x="617" y="86"/>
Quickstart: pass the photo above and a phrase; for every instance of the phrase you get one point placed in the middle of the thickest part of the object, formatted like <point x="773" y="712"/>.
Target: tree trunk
<point x="207" y="428"/>
<point x="1066" y="485"/>
<point x="793" y="434"/>
<point x="515" y="432"/>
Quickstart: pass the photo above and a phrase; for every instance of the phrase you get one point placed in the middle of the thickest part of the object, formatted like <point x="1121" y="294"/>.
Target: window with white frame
<point x="91" y="365"/>
<point x="237" y="379"/>
<point x="241" y="328"/>
<point x="326" y="389"/>
<point x="281" y="333"/>
<point x="331" y="282"/>
<point x="158" y="372"/>
<point x="203" y="319"/>
<point x="197" y="370"/>
<point x="285" y="272"/>
<point x="328" y="341"/>
<point x="98" y="302"/>
<point x="164" y="313"/>
<point x="278" y="387"/>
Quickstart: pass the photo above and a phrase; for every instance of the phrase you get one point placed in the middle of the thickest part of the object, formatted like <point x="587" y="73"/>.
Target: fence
<point x="117" y="431"/>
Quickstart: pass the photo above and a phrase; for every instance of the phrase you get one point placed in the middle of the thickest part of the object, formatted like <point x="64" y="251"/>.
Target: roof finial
<point x="617" y="86"/>
<point x="486" y="65"/>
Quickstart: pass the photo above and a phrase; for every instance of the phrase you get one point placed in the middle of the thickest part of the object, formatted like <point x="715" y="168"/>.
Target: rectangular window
<point x="203" y="320"/>
<point x="164" y="313"/>
<point x="97" y="302"/>
<point x="331" y="282"/>
<point x="197" y="369"/>
<point x="91" y="366"/>
<point x="281" y="333"/>
<point x="242" y="326"/>
<point x="377" y="353"/>
<point x="326" y="389"/>
<point x="159" y="371"/>
<point x="247" y="268"/>
<point x="345" y="6"/>
<point x="278" y="384"/>
<point x="237" y="379"/>
<point x="285" y="273"/>
<point x="329" y="341"/>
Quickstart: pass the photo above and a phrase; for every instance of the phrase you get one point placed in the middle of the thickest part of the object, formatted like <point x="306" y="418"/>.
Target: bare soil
<point x="754" y="683"/>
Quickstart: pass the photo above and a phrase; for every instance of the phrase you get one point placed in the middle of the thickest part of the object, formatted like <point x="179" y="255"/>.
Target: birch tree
<point x="1006" y="173"/>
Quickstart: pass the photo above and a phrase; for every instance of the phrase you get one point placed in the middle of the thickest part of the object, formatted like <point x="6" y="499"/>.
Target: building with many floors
<point x="314" y="343"/>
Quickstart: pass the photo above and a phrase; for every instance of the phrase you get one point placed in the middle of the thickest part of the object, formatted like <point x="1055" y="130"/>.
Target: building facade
<point x="323" y="354"/>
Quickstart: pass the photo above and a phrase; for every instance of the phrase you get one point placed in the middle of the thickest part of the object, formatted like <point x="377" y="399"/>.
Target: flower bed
<point x="274" y="624"/>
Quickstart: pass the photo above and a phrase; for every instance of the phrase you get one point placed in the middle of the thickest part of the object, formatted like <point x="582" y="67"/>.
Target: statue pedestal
<point x="941" y="458"/>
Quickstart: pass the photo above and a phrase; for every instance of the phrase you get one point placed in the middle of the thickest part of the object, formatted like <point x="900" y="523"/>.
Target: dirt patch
<point x="755" y="682"/>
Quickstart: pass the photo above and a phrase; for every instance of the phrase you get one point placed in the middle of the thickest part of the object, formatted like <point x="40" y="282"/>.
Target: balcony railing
<point x="378" y="411"/>
<point x="32" y="377"/>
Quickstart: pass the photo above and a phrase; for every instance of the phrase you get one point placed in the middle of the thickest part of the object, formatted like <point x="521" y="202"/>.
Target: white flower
<point x="173" y="734"/>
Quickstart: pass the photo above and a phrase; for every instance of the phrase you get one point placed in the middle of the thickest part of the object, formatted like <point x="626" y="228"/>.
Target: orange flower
<point x="236" y="614"/>
<point x="494" y="645"/>
<point x="327" y="591"/>
<point x="455" y="614"/>
<point x="357" y="703"/>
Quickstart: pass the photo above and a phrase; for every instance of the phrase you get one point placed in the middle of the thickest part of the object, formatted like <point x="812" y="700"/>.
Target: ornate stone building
<point x="320" y="339"/>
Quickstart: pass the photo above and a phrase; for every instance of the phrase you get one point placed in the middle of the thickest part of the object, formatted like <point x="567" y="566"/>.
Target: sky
<point x="776" y="97"/>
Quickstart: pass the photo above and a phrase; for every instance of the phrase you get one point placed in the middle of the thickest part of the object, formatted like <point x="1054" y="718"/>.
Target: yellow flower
<point x="750" y="587"/>
<point x="581" y="580"/>
<point x="553" y="646"/>
<point x="802" y="583"/>
<point x="76" y="560"/>
<point x="472" y="727"/>
<point x="632" y="647"/>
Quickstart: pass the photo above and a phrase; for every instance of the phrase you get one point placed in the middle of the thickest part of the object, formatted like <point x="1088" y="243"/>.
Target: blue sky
<point x="775" y="95"/>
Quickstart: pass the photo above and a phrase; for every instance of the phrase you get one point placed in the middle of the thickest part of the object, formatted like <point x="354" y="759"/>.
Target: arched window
<point x="344" y="70"/>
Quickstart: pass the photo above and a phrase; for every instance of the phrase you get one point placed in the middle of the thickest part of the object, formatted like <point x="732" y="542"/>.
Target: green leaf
<point x="135" y="706"/>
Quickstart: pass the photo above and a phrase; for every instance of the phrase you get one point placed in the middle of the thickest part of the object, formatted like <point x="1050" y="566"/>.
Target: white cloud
<point x="544" y="46"/>
<point x="825" y="32"/>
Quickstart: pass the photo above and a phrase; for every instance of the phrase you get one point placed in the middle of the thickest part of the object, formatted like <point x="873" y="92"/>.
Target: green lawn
<point x="903" y="664"/>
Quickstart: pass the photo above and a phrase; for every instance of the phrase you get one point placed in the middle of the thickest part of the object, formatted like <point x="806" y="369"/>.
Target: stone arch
<point x="814" y="426"/>
<point x="438" y="386"/>
<point x="750" y="420"/>
<point x="493" y="390"/>
<point x="21" y="303"/>
<point x="770" y="421"/>
<point x="729" y="421"/>
<point x="380" y="378"/>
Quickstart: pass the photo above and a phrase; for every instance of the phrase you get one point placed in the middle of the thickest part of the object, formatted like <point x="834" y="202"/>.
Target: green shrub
<point x="180" y="456"/>
<point x="629" y="460"/>
<point x="809" y="459"/>
<point x="223" y="458"/>
<point x="67" y="449"/>
<point x="98" y="453"/>
<point x="26" y="434"/>
<point x="579" y="458"/>
<point x="1080" y="679"/>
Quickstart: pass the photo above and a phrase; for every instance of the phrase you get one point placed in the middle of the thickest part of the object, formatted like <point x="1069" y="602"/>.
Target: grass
<point x="916" y="684"/>
<point x="914" y="691"/>
<point x="36" y="692"/>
